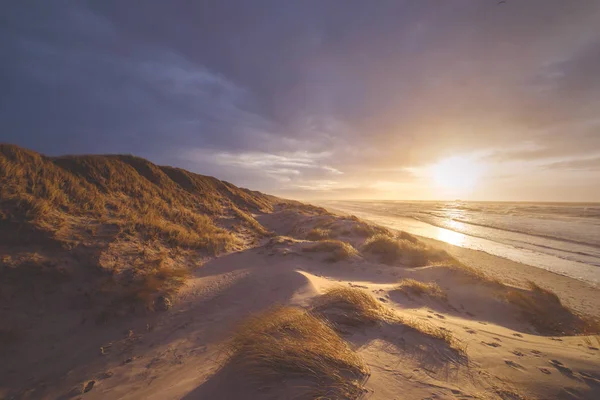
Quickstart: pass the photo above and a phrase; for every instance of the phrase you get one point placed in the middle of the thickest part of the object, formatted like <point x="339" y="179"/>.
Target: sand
<point x="180" y="354"/>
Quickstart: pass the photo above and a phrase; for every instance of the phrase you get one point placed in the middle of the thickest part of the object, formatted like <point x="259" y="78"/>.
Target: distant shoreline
<point x="581" y="295"/>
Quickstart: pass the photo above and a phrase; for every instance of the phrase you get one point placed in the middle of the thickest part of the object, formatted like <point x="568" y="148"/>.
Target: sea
<point x="560" y="237"/>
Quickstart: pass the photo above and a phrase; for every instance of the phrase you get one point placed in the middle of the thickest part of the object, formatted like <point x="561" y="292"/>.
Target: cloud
<point x="585" y="164"/>
<point x="313" y="95"/>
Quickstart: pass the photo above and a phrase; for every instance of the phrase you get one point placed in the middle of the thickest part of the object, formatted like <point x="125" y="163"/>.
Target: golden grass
<point x="417" y="288"/>
<point x="338" y="250"/>
<point x="363" y="229"/>
<point x="197" y="232"/>
<point x="590" y="343"/>
<point x="347" y="308"/>
<point x="163" y="203"/>
<point x="160" y="281"/>
<point x="318" y="234"/>
<point x="409" y="251"/>
<point x="251" y="222"/>
<point x="435" y="332"/>
<point x="544" y="310"/>
<point x="290" y="343"/>
<point x="350" y="307"/>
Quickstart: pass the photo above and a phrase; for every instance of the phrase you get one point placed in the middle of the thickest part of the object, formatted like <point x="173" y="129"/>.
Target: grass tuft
<point x="350" y="307"/>
<point x="290" y="343"/>
<point x="410" y="252"/>
<point x="251" y="222"/>
<point x="318" y="234"/>
<point x="338" y="250"/>
<point x="544" y="310"/>
<point x="417" y="288"/>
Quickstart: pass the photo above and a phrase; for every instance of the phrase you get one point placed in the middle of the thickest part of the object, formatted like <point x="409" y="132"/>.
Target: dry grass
<point x="100" y="200"/>
<point x="251" y="222"/>
<point x="318" y="234"/>
<point x="435" y="332"/>
<point x="363" y="229"/>
<point x="350" y="307"/>
<point x="590" y="343"/>
<point x="338" y="250"/>
<point x="198" y="232"/>
<point x="161" y="281"/>
<point x="289" y="343"/>
<point x="172" y="205"/>
<point x="410" y="252"/>
<point x="417" y="288"/>
<point x="544" y="310"/>
<point x="408" y="237"/>
<point x="114" y="297"/>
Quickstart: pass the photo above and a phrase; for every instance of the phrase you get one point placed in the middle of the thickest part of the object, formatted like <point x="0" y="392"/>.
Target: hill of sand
<point x="120" y="279"/>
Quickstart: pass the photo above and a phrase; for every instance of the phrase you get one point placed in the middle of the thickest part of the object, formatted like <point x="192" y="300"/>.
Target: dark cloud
<point x="270" y="93"/>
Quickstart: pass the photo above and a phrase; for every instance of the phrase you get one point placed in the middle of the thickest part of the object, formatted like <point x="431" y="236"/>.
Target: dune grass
<point x="347" y="308"/>
<point x="350" y="307"/>
<point x="100" y="200"/>
<point x="147" y="290"/>
<point x="161" y="281"/>
<point x="418" y="288"/>
<point x="407" y="250"/>
<point x="336" y="249"/>
<point x="435" y="332"/>
<point x="154" y="202"/>
<point x="251" y="222"/>
<point x="364" y="229"/>
<point x="318" y="234"/>
<point x="544" y="310"/>
<point x="290" y="343"/>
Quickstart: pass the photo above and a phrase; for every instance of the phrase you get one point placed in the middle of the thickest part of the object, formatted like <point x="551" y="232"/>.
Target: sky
<point x="328" y="99"/>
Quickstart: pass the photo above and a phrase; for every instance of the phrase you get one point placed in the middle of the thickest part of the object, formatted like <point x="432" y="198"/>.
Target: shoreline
<point x="571" y="268"/>
<point x="580" y="295"/>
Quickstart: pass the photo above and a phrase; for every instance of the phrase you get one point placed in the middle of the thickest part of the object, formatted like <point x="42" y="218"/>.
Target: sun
<point x="457" y="174"/>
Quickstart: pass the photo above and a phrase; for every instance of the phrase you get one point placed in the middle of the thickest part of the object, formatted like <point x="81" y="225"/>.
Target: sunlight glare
<point x="457" y="173"/>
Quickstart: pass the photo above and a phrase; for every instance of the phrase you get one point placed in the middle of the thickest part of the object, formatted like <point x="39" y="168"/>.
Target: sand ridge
<point x="182" y="353"/>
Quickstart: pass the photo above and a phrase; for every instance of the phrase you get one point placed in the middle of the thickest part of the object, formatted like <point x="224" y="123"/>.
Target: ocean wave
<point x="560" y="239"/>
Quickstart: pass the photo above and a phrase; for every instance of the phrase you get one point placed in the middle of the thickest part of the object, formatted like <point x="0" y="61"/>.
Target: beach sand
<point x="181" y="354"/>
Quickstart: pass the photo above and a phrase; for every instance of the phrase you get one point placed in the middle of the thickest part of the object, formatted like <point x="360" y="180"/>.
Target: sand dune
<point x="330" y="317"/>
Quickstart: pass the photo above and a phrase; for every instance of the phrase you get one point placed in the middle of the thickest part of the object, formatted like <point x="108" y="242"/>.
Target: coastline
<point x="579" y="295"/>
<point x="582" y="296"/>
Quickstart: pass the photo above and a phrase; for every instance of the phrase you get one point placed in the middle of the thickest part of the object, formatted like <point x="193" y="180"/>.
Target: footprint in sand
<point x="498" y="339"/>
<point x="561" y="367"/>
<point x="536" y="352"/>
<point x="545" y="371"/>
<point x="590" y="379"/>
<point x="482" y="323"/>
<point x="517" y="335"/>
<point x="518" y="353"/>
<point x="491" y="344"/>
<point x="513" y="364"/>
<point x="469" y="330"/>
<point x="440" y="316"/>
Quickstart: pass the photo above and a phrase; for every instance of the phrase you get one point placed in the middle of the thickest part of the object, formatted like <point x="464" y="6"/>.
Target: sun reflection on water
<point x="448" y="236"/>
